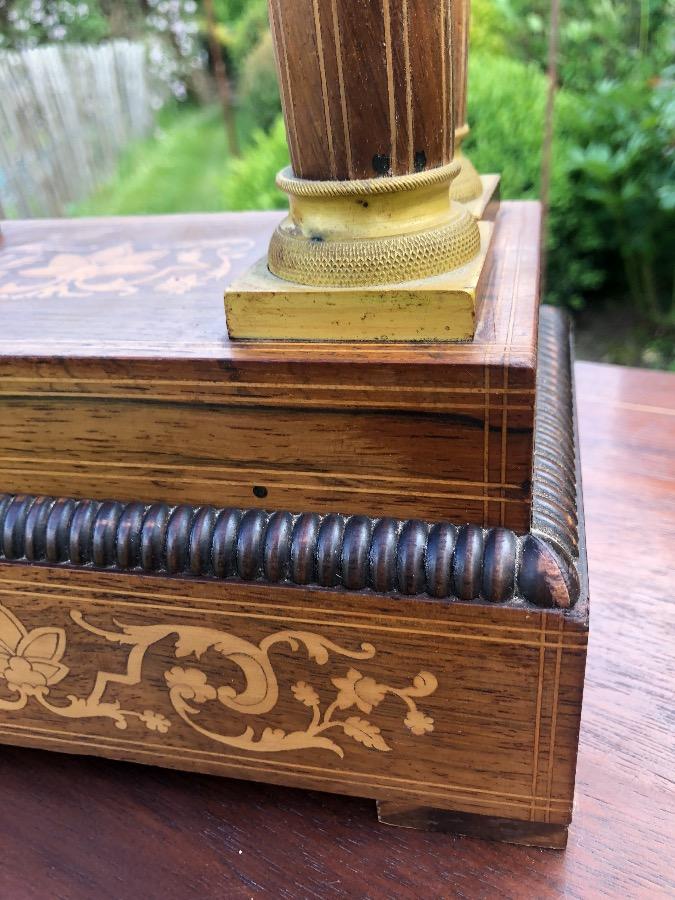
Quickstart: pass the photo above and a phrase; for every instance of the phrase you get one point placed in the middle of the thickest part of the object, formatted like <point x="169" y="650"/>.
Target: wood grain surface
<point x="77" y="828"/>
<point x="71" y="287"/>
<point x="444" y="560"/>
<point x="117" y="380"/>
<point x="461" y="707"/>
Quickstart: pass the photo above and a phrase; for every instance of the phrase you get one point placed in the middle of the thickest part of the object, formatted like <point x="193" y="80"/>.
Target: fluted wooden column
<point x="366" y="85"/>
<point x="373" y="240"/>
<point x="461" y="17"/>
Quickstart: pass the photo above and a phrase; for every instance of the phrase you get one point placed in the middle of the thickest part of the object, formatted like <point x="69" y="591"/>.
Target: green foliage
<point x="249" y="181"/>
<point x="259" y="89"/>
<point x="230" y="10"/>
<point x="598" y="40"/>
<point x="180" y="169"/>
<point x="246" y="31"/>
<point x="506" y="112"/>
<point x="612" y="203"/>
<point x="489" y="28"/>
<point x="612" y="213"/>
<point x="615" y="208"/>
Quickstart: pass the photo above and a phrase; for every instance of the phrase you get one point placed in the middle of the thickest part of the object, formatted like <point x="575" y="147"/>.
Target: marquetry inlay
<point x="31" y="663"/>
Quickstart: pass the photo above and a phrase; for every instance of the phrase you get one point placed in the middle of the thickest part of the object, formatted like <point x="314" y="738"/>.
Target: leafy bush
<point x="506" y="114"/>
<point x="489" y="28"/>
<point x="230" y="10"/>
<point x="612" y="213"/>
<point x="603" y="39"/>
<point x="612" y="200"/>
<point x="614" y="207"/>
<point x="259" y="89"/>
<point x="249" y="182"/>
<point x="246" y="30"/>
<point x="507" y="101"/>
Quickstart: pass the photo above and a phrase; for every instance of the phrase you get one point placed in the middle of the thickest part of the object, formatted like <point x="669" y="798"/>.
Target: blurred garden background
<point x="175" y="108"/>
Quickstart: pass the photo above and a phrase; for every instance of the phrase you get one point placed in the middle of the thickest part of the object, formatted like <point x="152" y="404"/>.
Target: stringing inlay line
<point x="341" y="82"/>
<point x="408" y="84"/>
<point x="265" y="766"/>
<point x="485" y="639"/>
<point x="390" y="76"/>
<point x="554" y="719"/>
<point x="444" y="87"/>
<point x="537" y="727"/>
<point x="324" y="87"/>
<point x="291" y="106"/>
<point x="109" y="592"/>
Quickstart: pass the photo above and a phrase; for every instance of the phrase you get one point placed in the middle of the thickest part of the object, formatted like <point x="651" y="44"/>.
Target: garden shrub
<point x="489" y="28"/>
<point x="246" y="31"/>
<point x="617" y="210"/>
<point x="249" y="181"/>
<point x="507" y="101"/>
<point x="612" y="200"/>
<point x="598" y="40"/>
<point x="506" y="115"/>
<point x="259" y="89"/>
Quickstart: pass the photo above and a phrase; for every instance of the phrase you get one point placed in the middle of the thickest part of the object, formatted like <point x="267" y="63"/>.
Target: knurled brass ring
<point x="374" y="261"/>
<point x="301" y="187"/>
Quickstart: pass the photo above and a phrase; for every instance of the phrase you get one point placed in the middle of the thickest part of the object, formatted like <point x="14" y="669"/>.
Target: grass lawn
<point x="179" y="169"/>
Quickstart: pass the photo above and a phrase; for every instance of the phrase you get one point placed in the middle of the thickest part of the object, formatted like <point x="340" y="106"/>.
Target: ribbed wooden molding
<point x="332" y="551"/>
<point x="442" y="560"/>
<point x="555" y="485"/>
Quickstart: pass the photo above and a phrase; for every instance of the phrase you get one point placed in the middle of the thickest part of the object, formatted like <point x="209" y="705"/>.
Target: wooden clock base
<point x="321" y="567"/>
<point x="437" y="669"/>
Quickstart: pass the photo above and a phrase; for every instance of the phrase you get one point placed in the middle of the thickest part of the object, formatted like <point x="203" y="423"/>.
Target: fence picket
<point x="66" y="113"/>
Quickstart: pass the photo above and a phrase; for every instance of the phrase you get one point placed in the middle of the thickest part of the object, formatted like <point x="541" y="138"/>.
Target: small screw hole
<point x="260" y="491"/>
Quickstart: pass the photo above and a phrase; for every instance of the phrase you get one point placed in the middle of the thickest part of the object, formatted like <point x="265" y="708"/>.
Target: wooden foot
<point x="510" y="831"/>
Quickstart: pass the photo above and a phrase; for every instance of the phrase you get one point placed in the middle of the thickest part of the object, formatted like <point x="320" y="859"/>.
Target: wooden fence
<point x="66" y="112"/>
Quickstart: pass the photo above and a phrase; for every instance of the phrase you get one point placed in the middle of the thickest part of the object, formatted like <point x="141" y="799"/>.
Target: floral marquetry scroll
<point x="374" y="695"/>
<point x="31" y="664"/>
<point x="124" y="269"/>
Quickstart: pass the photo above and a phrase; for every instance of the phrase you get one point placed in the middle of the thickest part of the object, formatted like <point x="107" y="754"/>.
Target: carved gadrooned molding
<point x="334" y="551"/>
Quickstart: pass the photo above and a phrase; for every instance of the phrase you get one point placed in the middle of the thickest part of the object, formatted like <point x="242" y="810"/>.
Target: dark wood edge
<point x="443" y="560"/>
<point x="403" y="814"/>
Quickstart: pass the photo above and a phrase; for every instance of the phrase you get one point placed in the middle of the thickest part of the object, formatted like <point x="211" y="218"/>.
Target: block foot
<point x="510" y="831"/>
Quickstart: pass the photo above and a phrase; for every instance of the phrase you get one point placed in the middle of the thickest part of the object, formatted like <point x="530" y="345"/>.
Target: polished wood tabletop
<point x="73" y="827"/>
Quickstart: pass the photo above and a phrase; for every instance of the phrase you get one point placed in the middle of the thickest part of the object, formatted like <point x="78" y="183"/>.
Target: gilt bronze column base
<point x="478" y="193"/>
<point x="383" y="259"/>
<point x="467" y="186"/>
